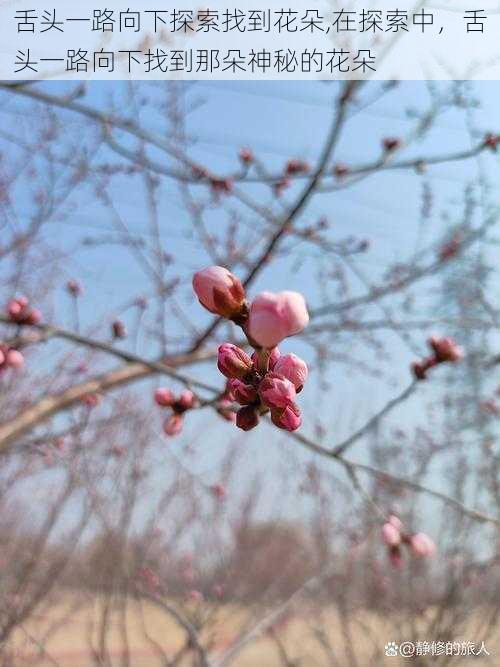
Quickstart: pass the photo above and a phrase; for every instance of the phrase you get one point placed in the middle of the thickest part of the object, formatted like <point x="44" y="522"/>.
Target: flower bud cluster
<point x="266" y="381"/>
<point x="394" y="537"/>
<point x="20" y="312"/>
<point x="178" y="406"/>
<point x="444" y="350"/>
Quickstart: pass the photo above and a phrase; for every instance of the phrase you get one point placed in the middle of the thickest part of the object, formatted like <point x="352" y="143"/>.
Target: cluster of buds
<point x="395" y="537"/>
<point x="178" y="405"/>
<point x="20" y="311"/>
<point x="10" y="358"/>
<point x="266" y="381"/>
<point x="444" y="350"/>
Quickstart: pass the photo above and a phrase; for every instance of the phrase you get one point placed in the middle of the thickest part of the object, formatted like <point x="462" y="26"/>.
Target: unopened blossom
<point x="244" y="394"/>
<point x="173" y="425"/>
<point x="186" y="400"/>
<point x="445" y="349"/>
<point x="275" y="316"/>
<point x="421" y="545"/>
<point x="233" y="362"/>
<point x="391" y="535"/>
<point x="20" y="311"/>
<point x="246" y="155"/>
<point x="293" y="368"/>
<point x="276" y="391"/>
<point x="219" y="291"/>
<point x="247" y="418"/>
<point x="118" y="451"/>
<point x="341" y="170"/>
<point x="221" y="185"/>
<point x="118" y="329"/>
<point x="218" y="491"/>
<point x="450" y="248"/>
<point x="10" y="358"/>
<point x="164" y="397"/>
<point x="395" y="521"/>
<point x="91" y="400"/>
<point x="287" y="418"/>
<point x="74" y="287"/>
<point x="391" y="143"/>
<point x="491" y="140"/>
<point x="296" y="166"/>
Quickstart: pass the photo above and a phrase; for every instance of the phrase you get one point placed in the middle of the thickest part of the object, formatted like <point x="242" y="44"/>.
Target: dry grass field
<point x="71" y="632"/>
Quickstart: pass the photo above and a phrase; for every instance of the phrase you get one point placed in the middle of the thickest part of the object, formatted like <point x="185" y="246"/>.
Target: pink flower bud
<point x="173" y="425"/>
<point x="391" y="143"/>
<point x="118" y="329"/>
<point x="219" y="291"/>
<point x="421" y="545"/>
<point x="247" y="418"/>
<point x="246" y="156"/>
<point x="74" y="287"/>
<point x="233" y="362"/>
<point x="287" y="418"/>
<point x="14" y="359"/>
<point x="274" y="317"/>
<point x="391" y="535"/>
<point x="35" y="317"/>
<point x="218" y="491"/>
<point x="295" y="166"/>
<point x="276" y="391"/>
<point x="293" y="369"/>
<point x="244" y="394"/>
<point x="186" y="400"/>
<point x="164" y="397"/>
<point x="91" y="400"/>
<point x="445" y="349"/>
<point x="396" y="522"/>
